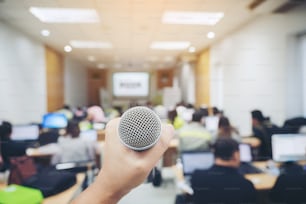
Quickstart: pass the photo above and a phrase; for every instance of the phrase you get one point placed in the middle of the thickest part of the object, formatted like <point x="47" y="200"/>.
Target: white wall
<point x="303" y="64"/>
<point x="75" y="80"/>
<point x="187" y="82"/>
<point x="22" y="77"/>
<point x="254" y="62"/>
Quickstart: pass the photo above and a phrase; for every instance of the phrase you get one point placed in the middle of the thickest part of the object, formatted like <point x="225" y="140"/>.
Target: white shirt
<point x="74" y="150"/>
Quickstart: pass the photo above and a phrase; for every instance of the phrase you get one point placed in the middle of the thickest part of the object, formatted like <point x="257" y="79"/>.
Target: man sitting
<point x="222" y="183"/>
<point x="194" y="136"/>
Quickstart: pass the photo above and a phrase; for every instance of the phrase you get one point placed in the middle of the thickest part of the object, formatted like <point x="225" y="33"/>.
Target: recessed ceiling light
<point x="170" y="45"/>
<point x="210" y="35"/>
<point x="91" y="58"/>
<point x="191" y="49"/>
<point x="65" y="15"/>
<point x="68" y="48"/>
<point x="45" y="32"/>
<point x="193" y="18"/>
<point x="90" y="44"/>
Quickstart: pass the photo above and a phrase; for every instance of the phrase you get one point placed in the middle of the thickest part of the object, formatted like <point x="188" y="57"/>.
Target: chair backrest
<point x="289" y="188"/>
<point x="21" y="168"/>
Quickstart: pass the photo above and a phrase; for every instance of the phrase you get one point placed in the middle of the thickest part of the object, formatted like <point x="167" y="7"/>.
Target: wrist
<point x="99" y="192"/>
<point x="111" y="192"/>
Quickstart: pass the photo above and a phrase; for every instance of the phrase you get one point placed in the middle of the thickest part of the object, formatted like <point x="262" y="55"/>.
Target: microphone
<point x="139" y="128"/>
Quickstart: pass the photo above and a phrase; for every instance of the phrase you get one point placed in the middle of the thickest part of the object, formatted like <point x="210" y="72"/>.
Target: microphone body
<point x="139" y="128"/>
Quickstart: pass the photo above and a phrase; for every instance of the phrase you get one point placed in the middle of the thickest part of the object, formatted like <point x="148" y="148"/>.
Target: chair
<point x="289" y="188"/>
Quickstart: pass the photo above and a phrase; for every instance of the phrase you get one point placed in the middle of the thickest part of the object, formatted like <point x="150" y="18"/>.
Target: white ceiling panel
<point x="130" y="26"/>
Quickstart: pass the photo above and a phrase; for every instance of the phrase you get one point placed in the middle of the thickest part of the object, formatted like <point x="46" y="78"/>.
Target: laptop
<point x="196" y="160"/>
<point x="246" y="166"/>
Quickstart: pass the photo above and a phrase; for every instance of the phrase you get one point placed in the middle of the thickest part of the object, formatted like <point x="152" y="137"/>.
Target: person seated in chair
<point x="263" y="129"/>
<point x="194" y="136"/>
<point x="290" y="186"/>
<point x="222" y="183"/>
<point x="72" y="148"/>
<point x="8" y="147"/>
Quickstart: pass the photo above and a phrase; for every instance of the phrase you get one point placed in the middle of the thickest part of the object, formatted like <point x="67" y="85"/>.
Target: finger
<point x="111" y="130"/>
<point x="163" y="143"/>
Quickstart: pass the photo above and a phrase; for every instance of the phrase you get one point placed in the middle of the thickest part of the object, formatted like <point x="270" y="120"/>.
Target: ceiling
<point x="131" y="26"/>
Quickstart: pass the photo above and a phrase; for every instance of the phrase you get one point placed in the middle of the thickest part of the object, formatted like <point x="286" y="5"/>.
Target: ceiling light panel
<point x="192" y="18"/>
<point x="65" y="15"/>
<point x="90" y="44"/>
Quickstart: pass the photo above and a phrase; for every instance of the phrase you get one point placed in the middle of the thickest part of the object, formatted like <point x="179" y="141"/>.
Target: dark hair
<point x="257" y="114"/>
<point x="224" y="148"/>
<point x="225" y="128"/>
<point x="197" y="117"/>
<point x="215" y="110"/>
<point x="73" y="128"/>
<point x="171" y="115"/>
<point x="224" y="122"/>
<point x="204" y="112"/>
<point x="5" y="130"/>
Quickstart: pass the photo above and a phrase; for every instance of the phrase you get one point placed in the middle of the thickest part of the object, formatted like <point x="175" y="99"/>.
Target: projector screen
<point x="131" y="84"/>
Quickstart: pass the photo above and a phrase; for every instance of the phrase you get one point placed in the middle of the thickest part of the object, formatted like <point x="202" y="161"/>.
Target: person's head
<point x="5" y="130"/>
<point x="73" y="129"/>
<point x="226" y="152"/>
<point x="224" y="127"/>
<point x="197" y="117"/>
<point x="257" y="117"/>
<point x="215" y="111"/>
<point x="204" y="112"/>
<point x="224" y="122"/>
<point x="172" y="115"/>
<point x="66" y="107"/>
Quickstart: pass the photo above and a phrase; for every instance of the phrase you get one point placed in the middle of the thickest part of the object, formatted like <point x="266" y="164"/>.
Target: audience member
<point x="222" y="183"/>
<point x="216" y="112"/>
<point x="66" y="110"/>
<point x="175" y="119"/>
<point x="290" y="186"/>
<point x="73" y="148"/>
<point x="113" y="183"/>
<point x="263" y="129"/>
<point x="294" y="125"/>
<point x="204" y="111"/>
<point x="79" y="113"/>
<point x="95" y="114"/>
<point x="225" y="130"/>
<point x="187" y="113"/>
<point x="193" y="136"/>
<point x="8" y="147"/>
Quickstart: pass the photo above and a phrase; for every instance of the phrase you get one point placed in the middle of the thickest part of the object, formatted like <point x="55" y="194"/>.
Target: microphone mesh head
<point x="139" y="128"/>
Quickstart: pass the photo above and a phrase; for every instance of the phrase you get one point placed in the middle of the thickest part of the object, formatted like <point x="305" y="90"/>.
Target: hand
<point x="123" y="169"/>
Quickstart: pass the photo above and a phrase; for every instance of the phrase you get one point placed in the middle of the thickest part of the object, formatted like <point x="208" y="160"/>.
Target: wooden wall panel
<point x="55" y="79"/>
<point x="96" y="79"/>
<point x="164" y="78"/>
<point x="202" y="79"/>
